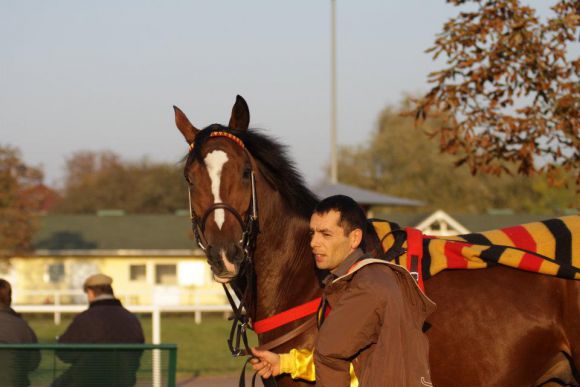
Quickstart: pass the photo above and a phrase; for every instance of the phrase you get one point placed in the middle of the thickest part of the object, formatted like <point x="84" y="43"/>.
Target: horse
<point x="250" y="207"/>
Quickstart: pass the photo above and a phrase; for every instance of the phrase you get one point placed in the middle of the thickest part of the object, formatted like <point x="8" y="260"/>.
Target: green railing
<point x="90" y="365"/>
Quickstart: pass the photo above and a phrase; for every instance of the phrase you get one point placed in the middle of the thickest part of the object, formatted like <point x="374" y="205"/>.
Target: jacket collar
<point x="105" y="302"/>
<point x="8" y="310"/>
<point x="350" y="260"/>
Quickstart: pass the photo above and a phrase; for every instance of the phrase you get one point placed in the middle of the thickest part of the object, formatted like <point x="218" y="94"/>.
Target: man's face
<point x="329" y="243"/>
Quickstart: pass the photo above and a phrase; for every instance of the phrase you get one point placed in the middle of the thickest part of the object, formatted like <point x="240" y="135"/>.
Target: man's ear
<point x="355" y="237"/>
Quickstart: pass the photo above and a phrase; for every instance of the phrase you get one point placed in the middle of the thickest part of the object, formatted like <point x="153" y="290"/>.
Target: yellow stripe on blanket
<point x="498" y="237"/>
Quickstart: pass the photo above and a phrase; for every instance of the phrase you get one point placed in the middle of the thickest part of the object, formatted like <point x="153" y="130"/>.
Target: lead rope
<point x="238" y="335"/>
<point x="270" y="382"/>
<point x="238" y="331"/>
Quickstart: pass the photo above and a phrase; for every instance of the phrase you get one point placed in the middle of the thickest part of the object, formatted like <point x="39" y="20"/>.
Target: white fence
<point x="56" y="307"/>
<point x="146" y="296"/>
<point x="154" y="310"/>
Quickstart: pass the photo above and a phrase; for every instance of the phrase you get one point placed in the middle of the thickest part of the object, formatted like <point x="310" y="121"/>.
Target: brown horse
<point x="493" y="327"/>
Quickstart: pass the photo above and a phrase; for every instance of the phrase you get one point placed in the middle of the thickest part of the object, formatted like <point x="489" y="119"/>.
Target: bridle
<point x="250" y="227"/>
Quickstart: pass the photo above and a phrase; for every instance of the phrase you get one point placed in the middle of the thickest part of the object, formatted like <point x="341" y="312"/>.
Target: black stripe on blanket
<point x="476" y="239"/>
<point x="563" y="238"/>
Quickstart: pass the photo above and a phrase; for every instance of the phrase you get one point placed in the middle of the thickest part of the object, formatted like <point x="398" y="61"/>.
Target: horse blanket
<point x="549" y="247"/>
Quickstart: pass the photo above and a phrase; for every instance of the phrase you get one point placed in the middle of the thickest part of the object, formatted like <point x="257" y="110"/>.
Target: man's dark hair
<point x="101" y="289"/>
<point x="352" y="215"/>
<point x="5" y="293"/>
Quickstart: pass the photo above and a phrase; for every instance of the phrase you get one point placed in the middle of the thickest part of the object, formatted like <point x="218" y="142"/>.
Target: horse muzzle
<point x="224" y="263"/>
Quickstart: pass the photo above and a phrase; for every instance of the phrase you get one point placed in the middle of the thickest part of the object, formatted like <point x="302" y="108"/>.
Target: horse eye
<point x="247" y="172"/>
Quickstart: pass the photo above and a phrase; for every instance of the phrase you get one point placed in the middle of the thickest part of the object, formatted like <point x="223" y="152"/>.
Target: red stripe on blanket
<point x="530" y="262"/>
<point x="455" y="259"/>
<point x="521" y="238"/>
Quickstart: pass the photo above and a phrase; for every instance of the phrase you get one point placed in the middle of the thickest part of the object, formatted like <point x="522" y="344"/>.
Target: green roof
<point x="92" y="232"/>
<point x="173" y="232"/>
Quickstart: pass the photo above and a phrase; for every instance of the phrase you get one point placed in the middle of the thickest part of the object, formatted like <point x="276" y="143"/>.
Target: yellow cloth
<point x="299" y="363"/>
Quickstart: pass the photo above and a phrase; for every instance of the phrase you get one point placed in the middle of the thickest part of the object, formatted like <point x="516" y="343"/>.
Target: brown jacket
<point x="375" y="321"/>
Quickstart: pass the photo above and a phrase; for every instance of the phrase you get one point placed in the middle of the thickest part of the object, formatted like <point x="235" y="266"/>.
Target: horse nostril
<point x="212" y="254"/>
<point x="234" y="253"/>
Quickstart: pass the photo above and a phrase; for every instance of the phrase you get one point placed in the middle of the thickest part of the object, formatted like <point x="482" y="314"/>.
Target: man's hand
<point x="266" y="363"/>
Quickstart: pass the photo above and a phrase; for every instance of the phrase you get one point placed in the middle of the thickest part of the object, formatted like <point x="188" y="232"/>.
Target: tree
<point x="17" y="210"/>
<point x="400" y="160"/>
<point x="510" y="94"/>
<point x="102" y="180"/>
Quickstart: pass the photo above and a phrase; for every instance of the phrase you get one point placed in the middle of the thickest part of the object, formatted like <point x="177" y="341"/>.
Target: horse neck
<point x="285" y="270"/>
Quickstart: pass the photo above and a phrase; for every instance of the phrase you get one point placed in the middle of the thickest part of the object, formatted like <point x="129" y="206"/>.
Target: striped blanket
<point x="549" y="247"/>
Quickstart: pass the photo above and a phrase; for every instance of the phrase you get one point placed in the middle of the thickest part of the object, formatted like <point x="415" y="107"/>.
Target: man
<point x="106" y="321"/>
<point x="371" y="316"/>
<point x="15" y="365"/>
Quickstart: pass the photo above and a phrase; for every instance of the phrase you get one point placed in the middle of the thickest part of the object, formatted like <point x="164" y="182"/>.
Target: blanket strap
<point x="415" y="255"/>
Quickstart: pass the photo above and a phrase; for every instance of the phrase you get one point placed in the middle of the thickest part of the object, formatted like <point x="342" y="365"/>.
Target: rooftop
<point x="173" y="232"/>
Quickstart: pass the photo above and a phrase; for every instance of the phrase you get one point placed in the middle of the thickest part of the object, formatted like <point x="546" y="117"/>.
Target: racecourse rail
<point x="157" y="363"/>
<point x="56" y="309"/>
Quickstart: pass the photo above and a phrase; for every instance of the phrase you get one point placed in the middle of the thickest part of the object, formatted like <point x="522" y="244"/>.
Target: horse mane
<point x="273" y="162"/>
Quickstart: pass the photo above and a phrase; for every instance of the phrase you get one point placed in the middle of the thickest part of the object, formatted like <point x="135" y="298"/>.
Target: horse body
<point x="502" y="327"/>
<point x="492" y="327"/>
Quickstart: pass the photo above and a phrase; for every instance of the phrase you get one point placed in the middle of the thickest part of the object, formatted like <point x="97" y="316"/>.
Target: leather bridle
<point x="249" y="225"/>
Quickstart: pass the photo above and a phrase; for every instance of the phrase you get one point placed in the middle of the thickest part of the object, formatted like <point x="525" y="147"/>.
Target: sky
<point x="104" y="75"/>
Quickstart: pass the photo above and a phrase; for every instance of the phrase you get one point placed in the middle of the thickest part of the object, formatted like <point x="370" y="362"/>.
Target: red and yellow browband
<point x="222" y="134"/>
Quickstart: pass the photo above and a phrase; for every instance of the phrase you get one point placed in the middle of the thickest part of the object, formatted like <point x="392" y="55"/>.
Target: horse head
<point x="222" y="190"/>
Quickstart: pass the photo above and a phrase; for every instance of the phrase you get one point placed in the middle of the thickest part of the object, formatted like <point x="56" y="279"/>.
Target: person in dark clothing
<point x="15" y="365"/>
<point x="105" y="321"/>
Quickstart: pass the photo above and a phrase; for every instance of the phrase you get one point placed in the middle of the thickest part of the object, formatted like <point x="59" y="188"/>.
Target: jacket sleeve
<point x="352" y="325"/>
<point x="34" y="358"/>
<point x="72" y="335"/>
<point x="299" y="363"/>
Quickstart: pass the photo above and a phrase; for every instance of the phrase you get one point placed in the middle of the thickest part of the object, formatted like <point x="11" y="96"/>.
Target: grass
<point x="202" y="349"/>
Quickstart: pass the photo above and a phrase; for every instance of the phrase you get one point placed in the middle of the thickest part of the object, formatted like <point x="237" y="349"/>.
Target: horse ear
<point x="240" y="118"/>
<point x="185" y="127"/>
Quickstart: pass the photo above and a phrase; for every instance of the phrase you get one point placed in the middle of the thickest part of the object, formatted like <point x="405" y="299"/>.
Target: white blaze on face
<point x="214" y="162"/>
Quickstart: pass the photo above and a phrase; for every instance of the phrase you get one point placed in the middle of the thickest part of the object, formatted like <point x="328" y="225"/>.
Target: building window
<point x="166" y="274"/>
<point x="138" y="273"/>
<point x="55" y="273"/>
